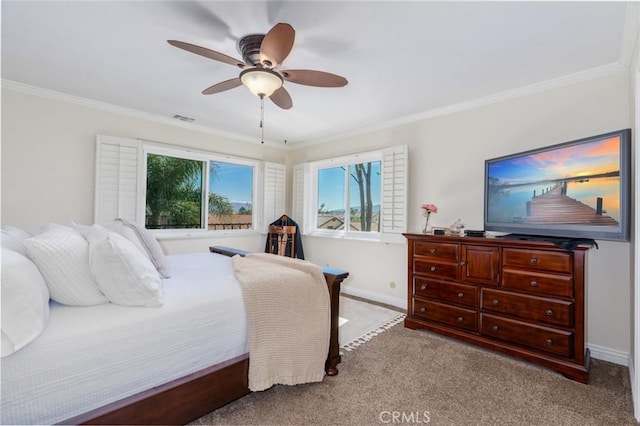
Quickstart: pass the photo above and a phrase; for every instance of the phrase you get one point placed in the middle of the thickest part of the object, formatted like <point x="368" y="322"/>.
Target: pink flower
<point x="429" y="208"/>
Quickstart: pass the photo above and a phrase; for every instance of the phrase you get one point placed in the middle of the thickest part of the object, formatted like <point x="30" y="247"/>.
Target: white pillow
<point x="145" y="241"/>
<point x="123" y="273"/>
<point x="12" y="238"/>
<point x="62" y="255"/>
<point x="25" y="302"/>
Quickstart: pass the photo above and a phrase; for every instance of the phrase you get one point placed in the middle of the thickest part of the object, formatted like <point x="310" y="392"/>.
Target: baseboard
<point x="608" y="354"/>
<point x="632" y="380"/>
<point x="375" y="297"/>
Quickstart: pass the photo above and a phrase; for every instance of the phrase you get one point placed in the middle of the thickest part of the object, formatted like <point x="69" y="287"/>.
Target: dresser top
<point x="542" y="243"/>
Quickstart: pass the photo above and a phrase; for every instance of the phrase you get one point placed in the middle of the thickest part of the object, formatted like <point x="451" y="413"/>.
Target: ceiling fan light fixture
<point x="261" y="81"/>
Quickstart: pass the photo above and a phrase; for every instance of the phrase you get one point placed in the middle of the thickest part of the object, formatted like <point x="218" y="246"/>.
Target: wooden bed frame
<point x="188" y="398"/>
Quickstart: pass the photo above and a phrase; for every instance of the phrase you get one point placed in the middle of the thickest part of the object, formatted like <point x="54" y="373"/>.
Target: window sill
<point x="201" y="233"/>
<point x="375" y="238"/>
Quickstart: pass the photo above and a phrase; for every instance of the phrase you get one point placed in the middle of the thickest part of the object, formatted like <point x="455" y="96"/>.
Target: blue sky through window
<point x="331" y="187"/>
<point x="234" y="181"/>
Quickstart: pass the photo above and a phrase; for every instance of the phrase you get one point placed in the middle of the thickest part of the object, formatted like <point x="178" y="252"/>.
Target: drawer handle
<point x="495" y="328"/>
<point x="460" y="294"/>
<point x="496" y="301"/>
<point x="433" y="269"/>
<point x="433" y="250"/>
<point x="423" y="287"/>
<point x="549" y="342"/>
<point x="534" y="283"/>
<point x="550" y="312"/>
<point x="463" y="263"/>
<point x="423" y="309"/>
<point x="460" y="319"/>
<point x="533" y="260"/>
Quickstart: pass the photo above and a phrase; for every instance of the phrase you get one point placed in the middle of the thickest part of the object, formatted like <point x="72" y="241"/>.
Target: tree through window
<point x="349" y="197"/>
<point x="175" y="191"/>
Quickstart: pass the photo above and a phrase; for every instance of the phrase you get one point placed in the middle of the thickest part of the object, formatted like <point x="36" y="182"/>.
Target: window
<point x="331" y="190"/>
<point x="230" y="196"/>
<point x="359" y="196"/>
<point x="174" y="192"/>
<point x="349" y="197"/>
<point x="364" y="196"/>
<point x="175" y="189"/>
<point x="172" y="188"/>
<point x="186" y="190"/>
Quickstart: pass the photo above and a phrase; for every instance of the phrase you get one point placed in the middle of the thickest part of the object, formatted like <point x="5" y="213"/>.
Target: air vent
<point x="183" y="118"/>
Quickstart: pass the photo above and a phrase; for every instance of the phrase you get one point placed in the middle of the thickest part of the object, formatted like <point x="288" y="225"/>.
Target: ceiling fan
<point x="262" y="54"/>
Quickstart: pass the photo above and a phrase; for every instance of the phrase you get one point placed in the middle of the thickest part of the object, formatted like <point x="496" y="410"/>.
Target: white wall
<point x="446" y="167"/>
<point x="48" y="161"/>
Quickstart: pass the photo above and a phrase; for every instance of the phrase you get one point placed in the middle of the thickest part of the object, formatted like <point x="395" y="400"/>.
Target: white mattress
<point x="90" y="356"/>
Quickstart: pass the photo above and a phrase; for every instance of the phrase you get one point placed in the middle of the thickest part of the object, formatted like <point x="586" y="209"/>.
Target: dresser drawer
<point x="435" y="269"/>
<point x="538" y="283"/>
<point x="531" y="308"/>
<point x="446" y="314"/>
<point x="443" y="251"/>
<point x="540" y="338"/>
<point x="548" y="261"/>
<point x="448" y="292"/>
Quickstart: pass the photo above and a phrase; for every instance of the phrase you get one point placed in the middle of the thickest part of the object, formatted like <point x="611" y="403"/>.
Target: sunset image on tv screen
<point x="574" y="184"/>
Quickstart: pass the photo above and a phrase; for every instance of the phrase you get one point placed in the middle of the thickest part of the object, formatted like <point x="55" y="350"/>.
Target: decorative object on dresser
<point x="522" y="298"/>
<point x="426" y="210"/>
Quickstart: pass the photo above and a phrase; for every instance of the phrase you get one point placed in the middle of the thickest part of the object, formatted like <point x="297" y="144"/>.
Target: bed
<point x="112" y="364"/>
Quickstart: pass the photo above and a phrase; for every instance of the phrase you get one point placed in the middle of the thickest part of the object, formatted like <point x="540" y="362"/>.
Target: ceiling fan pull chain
<point x="262" y="118"/>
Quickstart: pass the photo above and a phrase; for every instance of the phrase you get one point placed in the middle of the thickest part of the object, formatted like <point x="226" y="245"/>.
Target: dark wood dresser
<point x="523" y="298"/>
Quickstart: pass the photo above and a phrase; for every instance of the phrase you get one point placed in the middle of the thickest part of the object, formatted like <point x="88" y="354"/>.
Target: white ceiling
<point x="402" y="59"/>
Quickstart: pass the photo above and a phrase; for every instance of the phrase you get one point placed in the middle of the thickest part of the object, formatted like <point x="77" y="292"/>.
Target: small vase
<point x="426" y="229"/>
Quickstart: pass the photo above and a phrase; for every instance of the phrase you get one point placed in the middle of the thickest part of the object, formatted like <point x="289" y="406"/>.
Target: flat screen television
<point x="576" y="189"/>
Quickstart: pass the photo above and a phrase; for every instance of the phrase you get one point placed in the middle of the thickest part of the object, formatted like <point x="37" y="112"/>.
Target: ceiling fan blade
<point x="207" y="53"/>
<point x="277" y="45"/>
<point x="314" y="78"/>
<point x="222" y="86"/>
<point x="282" y="98"/>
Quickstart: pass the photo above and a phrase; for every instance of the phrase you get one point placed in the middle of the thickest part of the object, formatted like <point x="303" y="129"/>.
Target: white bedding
<point x="90" y="356"/>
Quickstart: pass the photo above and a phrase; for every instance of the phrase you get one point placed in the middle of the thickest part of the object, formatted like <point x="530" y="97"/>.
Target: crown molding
<point x="629" y="34"/>
<point x="129" y="112"/>
<point x="540" y="87"/>
<point x="543" y="86"/>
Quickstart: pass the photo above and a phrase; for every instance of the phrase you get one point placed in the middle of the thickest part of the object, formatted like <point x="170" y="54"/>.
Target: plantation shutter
<point x="394" y="193"/>
<point x="298" y="210"/>
<point x="274" y="192"/>
<point x="116" y="184"/>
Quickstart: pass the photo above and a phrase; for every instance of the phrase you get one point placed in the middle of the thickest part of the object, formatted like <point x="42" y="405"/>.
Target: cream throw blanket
<point x="288" y="309"/>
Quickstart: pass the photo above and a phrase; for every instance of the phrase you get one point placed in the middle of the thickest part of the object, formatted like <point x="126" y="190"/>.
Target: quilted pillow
<point x="13" y="237"/>
<point x="124" y="274"/>
<point x="62" y="255"/>
<point x="25" y="302"/>
<point x="145" y="241"/>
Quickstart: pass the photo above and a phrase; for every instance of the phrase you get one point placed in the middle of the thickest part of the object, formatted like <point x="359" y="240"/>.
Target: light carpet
<point x="362" y="321"/>
<point x="412" y="377"/>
